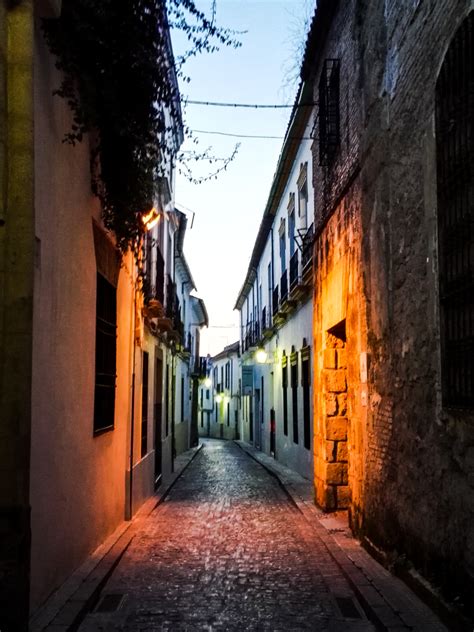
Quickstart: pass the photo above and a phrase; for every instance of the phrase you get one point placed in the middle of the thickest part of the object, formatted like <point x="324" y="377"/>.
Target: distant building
<point x="275" y="307"/>
<point x="219" y="396"/>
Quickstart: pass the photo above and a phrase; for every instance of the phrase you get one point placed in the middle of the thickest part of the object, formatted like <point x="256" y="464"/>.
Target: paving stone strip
<point x="385" y="598"/>
<point x="228" y="551"/>
<point x="237" y="546"/>
<point x="68" y="605"/>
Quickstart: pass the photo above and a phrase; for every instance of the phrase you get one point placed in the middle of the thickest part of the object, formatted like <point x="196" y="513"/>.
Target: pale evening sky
<point x="228" y="209"/>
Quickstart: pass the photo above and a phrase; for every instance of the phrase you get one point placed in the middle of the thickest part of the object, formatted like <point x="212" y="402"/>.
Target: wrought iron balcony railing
<point x="284" y="287"/>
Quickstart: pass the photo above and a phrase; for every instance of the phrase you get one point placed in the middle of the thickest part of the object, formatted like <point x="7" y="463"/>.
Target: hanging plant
<point x="119" y="79"/>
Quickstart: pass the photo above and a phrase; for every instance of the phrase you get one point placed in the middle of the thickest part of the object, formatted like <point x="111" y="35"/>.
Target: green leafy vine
<point x="119" y="79"/>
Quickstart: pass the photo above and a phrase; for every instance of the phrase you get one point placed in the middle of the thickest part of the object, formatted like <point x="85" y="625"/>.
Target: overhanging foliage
<point x="120" y="82"/>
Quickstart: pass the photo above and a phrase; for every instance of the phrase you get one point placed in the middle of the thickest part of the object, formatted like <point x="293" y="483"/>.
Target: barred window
<point x="329" y="115"/>
<point x="105" y="355"/>
<point x="455" y="176"/>
<point x="284" y="384"/>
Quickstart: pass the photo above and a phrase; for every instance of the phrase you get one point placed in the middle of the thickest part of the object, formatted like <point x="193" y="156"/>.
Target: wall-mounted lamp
<point x="208" y="382"/>
<point x="150" y="219"/>
<point x="261" y="355"/>
<point x="218" y="399"/>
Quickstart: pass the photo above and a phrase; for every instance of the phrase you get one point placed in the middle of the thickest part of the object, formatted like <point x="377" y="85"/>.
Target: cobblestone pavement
<point x="227" y="550"/>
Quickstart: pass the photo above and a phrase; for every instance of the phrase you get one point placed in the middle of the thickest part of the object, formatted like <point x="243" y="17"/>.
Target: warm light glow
<point x="218" y="399"/>
<point x="151" y="219"/>
<point x="261" y="356"/>
<point x="207" y="382"/>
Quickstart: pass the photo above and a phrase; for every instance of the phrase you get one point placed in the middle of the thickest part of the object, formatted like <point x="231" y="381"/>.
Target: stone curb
<point x="387" y="601"/>
<point x="66" y="607"/>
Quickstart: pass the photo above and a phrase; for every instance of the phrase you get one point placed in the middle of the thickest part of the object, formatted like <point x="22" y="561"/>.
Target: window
<point x="227" y="374"/>
<point x="303" y="195"/>
<point x="270" y="286"/>
<point x="207" y="393"/>
<point x="306" y="384"/>
<point x="329" y="127"/>
<point x="291" y="233"/>
<point x="284" y="383"/>
<point x="282" y="233"/>
<point x="105" y="355"/>
<point x="455" y="157"/>
<point x="167" y="396"/>
<point x="294" y="393"/>
<point x="144" y="445"/>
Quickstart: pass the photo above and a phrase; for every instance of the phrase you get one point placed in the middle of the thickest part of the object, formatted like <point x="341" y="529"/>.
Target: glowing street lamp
<point x="218" y="398"/>
<point x="150" y="219"/>
<point x="207" y="382"/>
<point x="261" y="355"/>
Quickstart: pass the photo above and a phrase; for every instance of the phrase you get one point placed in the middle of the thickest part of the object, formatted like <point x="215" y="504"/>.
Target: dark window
<point x="144" y="403"/>
<point x="182" y="398"/>
<point x="202" y="419"/>
<point x="167" y="396"/>
<point x="306" y="383"/>
<point x="455" y="175"/>
<point x="294" y="393"/>
<point x="284" y="383"/>
<point x="207" y="393"/>
<point x="329" y="126"/>
<point x="105" y="355"/>
<point x="216" y="412"/>
<point x="202" y="397"/>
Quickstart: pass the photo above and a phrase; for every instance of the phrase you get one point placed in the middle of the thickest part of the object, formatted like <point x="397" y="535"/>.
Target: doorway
<point x="257" y="417"/>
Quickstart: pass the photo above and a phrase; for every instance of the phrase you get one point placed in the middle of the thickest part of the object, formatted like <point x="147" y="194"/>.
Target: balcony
<point x="153" y="287"/>
<point x="251" y="336"/>
<point x="266" y="324"/>
<point x="307" y="255"/>
<point x="275" y="302"/>
<point x="299" y="288"/>
<point x="286" y="304"/>
<point x="170" y="321"/>
<point x="278" y="314"/>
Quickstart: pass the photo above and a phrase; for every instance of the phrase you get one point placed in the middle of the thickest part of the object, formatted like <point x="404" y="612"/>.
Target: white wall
<point x="291" y="333"/>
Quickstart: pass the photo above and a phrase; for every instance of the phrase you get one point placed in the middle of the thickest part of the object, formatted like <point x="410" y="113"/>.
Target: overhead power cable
<point x="246" y="105"/>
<point x="204" y="131"/>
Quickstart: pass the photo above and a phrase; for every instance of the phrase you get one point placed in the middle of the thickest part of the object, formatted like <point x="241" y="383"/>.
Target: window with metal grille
<point x="144" y="443"/>
<point x="182" y="398"/>
<point x="455" y="178"/>
<point x="284" y="384"/>
<point x="329" y="115"/>
<point x="294" y="393"/>
<point x="105" y="355"/>
<point x="306" y="384"/>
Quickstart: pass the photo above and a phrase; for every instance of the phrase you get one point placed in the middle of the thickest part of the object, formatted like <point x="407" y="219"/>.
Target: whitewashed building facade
<point x="219" y="396"/>
<point x="275" y="308"/>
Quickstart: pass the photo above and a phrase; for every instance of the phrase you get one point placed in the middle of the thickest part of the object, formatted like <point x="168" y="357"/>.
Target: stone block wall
<point x="410" y="471"/>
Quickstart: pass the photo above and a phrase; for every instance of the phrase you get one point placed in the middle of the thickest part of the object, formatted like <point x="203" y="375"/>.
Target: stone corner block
<point x="336" y="429"/>
<point x="335" y="380"/>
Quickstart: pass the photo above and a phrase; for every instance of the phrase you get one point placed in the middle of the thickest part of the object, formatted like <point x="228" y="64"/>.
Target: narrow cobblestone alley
<point x="227" y="550"/>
